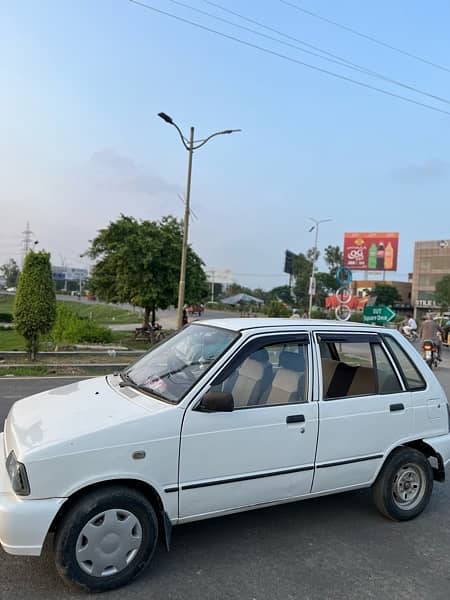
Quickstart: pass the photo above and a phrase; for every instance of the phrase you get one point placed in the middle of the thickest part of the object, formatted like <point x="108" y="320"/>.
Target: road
<point x="336" y="547"/>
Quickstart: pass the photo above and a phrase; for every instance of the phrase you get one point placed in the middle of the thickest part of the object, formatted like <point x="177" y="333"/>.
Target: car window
<point x="411" y="375"/>
<point x="274" y="374"/>
<point x="351" y="373"/>
<point x="387" y="380"/>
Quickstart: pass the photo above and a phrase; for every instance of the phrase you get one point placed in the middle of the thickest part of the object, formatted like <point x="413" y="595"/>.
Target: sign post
<point x="378" y="315"/>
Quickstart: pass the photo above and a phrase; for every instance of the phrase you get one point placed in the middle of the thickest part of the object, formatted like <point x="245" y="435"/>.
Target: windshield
<point x="173" y="367"/>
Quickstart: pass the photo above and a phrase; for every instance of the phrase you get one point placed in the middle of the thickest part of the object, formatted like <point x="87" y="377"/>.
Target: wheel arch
<point x="148" y="491"/>
<point x="437" y="464"/>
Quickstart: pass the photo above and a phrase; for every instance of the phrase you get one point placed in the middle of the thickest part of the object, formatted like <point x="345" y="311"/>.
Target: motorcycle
<point x="409" y="334"/>
<point x="430" y="355"/>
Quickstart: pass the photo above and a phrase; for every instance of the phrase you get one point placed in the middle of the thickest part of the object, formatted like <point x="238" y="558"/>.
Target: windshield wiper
<point x="126" y="380"/>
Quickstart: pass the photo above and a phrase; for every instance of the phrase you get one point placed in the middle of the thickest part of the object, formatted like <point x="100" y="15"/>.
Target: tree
<point x="443" y="291"/>
<point x="282" y="292"/>
<point x="35" y="302"/>
<point x="333" y="259"/>
<point x="302" y="267"/>
<point x="10" y="271"/>
<point x="139" y="262"/>
<point x="386" y="295"/>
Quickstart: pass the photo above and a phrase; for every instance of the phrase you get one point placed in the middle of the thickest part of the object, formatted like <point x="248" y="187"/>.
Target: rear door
<point x="364" y="409"/>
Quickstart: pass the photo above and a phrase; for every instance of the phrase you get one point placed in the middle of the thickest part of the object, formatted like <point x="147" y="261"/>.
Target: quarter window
<point x="275" y="374"/>
<point x="411" y="375"/>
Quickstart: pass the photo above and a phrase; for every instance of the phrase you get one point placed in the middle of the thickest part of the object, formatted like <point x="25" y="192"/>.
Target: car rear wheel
<point x="404" y="485"/>
<point x="106" y="539"/>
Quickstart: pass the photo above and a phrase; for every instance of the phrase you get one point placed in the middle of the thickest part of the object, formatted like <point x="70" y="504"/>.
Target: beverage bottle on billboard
<point x="372" y="260"/>
<point x="389" y="257"/>
<point x="380" y="256"/>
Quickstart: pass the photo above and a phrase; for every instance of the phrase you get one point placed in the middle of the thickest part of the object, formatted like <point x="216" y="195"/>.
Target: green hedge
<point x="69" y="328"/>
<point x="6" y="317"/>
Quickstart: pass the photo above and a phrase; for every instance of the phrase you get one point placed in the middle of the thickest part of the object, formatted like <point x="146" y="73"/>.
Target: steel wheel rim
<point x="409" y="486"/>
<point x="108" y="542"/>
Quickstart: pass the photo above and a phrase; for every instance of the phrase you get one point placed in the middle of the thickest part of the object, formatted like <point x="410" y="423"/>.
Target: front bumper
<point x="24" y="523"/>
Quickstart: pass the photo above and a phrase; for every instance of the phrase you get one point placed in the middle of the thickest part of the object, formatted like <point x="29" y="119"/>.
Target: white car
<point x="225" y="416"/>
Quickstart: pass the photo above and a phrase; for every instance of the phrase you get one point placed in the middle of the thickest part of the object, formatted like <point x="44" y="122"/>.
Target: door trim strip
<point x="348" y="462"/>
<point x="201" y="484"/>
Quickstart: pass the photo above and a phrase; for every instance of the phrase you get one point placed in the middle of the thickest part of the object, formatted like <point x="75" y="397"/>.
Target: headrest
<point x="261" y="356"/>
<point x="292" y="361"/>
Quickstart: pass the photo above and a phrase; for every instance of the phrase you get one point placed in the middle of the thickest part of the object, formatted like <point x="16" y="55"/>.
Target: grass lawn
<point x="104" y="314"/>
<point x="6" y="303"/>
<point x="11" y="340"/>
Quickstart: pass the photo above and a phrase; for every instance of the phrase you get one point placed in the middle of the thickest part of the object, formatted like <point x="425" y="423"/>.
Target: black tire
<point x="110" y="498"/>
<point x="390" y="489"/>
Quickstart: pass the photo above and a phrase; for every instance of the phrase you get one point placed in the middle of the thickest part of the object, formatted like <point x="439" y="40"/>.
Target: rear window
<point x="411" y="375"/>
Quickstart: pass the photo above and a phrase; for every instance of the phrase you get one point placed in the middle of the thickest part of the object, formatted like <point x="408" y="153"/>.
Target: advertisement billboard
<point x="370" y="251"/>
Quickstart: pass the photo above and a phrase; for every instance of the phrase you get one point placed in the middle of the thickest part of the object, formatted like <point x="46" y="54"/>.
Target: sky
<point x="82" y="82"/>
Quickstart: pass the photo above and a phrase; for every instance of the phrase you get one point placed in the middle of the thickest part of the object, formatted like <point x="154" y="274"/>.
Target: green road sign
<point x="378" y="315"/>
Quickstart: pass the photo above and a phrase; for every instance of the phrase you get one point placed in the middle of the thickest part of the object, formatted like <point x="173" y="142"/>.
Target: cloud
<point x="430" y="169"/>
<point x="108" y="169"/>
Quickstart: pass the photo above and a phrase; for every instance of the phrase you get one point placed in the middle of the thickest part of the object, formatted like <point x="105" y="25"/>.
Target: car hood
<point x="77" y="417"/>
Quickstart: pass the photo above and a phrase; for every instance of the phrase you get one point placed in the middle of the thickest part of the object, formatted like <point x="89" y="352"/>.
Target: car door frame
<point x="373" y="461"/>
<point x="252" y="342"/>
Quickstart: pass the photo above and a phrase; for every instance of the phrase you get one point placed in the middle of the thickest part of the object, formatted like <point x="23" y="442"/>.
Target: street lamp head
<point x="165" y="118"/>
<point x="231" y="130"/>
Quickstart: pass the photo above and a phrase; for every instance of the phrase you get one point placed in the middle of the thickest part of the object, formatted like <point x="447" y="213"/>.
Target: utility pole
<point x="190" y="145"/>
<point x="312" y="281"/>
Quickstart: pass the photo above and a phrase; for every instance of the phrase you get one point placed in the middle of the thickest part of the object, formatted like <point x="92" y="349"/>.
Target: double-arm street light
<point x="312" y="281"/>
<point x="190" y="144"/>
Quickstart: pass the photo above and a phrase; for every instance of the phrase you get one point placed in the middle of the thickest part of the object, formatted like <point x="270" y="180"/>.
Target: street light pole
<point x="184" y="247"/>
<point x="190" y="145"/>
<point x="312" y="282"/>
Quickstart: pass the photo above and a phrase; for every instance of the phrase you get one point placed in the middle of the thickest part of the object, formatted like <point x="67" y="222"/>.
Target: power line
<point x="330" y="56"/>
<point x="291" y="59"/>
<point x="365" y="36"/>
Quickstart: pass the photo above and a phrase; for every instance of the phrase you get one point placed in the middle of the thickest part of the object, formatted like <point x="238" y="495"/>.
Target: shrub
<point x="35" y="301"/>
<point x="69" y="328"/>
<point x="6" y="318"/>
<point x="277" y="309"/>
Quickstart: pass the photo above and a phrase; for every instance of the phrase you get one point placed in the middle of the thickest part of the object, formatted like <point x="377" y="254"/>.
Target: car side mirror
<point x="216" y="402"/>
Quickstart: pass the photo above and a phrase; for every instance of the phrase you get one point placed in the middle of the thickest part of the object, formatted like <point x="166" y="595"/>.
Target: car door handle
<point x="395" y="407"/>
<point x="295" y="419"/>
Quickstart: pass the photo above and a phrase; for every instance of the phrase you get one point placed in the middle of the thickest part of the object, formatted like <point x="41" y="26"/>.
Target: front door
<point x="364" y="410"/>
<point x="262" y="451"/>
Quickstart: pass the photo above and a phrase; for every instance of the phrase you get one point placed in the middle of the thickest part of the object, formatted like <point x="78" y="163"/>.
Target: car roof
<point x="243" y="324"/>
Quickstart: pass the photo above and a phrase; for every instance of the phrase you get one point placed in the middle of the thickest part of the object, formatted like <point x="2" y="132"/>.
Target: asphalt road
<point x="336" y="547"/>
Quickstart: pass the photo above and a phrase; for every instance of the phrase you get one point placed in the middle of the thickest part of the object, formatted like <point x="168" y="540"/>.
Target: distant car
<point x="225" y="416"/>
<point x="11" y="289"/>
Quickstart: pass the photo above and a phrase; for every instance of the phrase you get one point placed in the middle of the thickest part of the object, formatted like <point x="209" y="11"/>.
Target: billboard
<point x="370" y="251"/>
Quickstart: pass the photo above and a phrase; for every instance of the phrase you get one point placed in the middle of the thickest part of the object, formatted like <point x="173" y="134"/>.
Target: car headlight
<point x="18" y="475"/>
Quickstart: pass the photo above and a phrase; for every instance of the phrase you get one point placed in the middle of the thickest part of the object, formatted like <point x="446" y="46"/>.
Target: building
<point x="431" y="263"/>
<point x="361" y="289"/>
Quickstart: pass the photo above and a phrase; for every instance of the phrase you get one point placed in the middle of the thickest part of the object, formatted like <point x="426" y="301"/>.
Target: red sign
<point x="371" y="251"/>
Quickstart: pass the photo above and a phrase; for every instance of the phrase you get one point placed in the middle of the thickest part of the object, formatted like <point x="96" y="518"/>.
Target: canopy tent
<point x="242" y="299"/>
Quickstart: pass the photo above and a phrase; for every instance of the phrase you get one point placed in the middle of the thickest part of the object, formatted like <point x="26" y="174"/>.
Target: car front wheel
<point x="106" y="539"/>
<point x="404" y="485"/>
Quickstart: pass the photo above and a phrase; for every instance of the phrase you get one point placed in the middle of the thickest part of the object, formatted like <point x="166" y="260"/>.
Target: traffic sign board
<point x="378" y="315"/>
